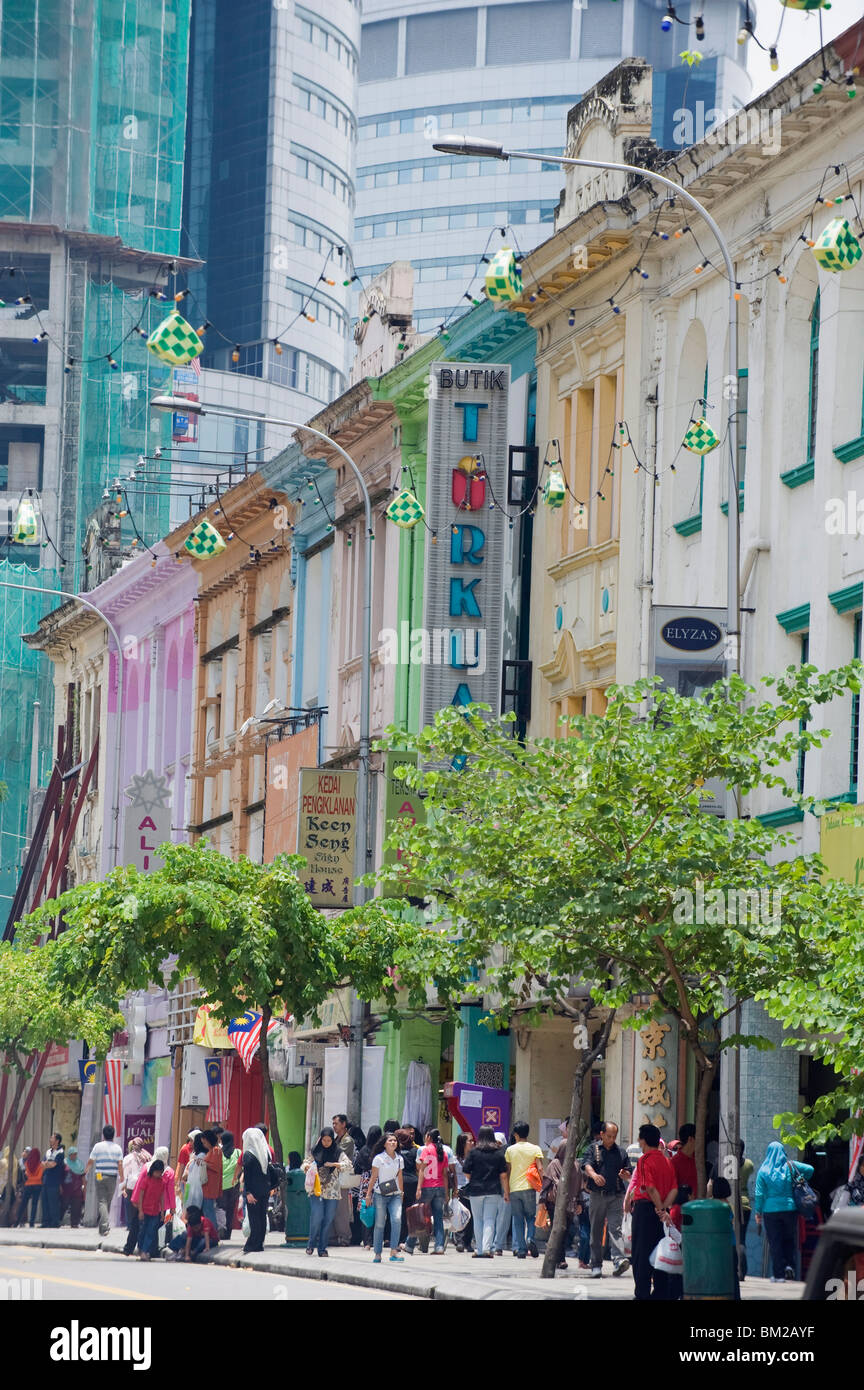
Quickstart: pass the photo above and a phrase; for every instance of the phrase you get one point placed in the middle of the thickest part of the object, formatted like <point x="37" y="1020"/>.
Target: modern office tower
<point x="269" y="205"/>
<point x="509" y="72"/>
<point x="92" y="129"/>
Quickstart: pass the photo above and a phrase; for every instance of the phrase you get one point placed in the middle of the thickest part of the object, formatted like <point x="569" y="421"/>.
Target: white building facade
<point x="509" y="72"/>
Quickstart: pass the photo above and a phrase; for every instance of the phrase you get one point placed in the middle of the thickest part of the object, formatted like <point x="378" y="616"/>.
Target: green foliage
<point x="246" y="932"/>
<point x="33" y="1012"/>
<point x="564" y="859"/>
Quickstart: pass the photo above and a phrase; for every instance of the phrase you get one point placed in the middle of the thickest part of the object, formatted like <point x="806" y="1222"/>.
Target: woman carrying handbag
<point x="775" y="1203"/>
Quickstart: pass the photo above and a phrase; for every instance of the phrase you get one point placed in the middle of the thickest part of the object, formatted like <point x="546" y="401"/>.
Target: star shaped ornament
<point x="148" y="793"/>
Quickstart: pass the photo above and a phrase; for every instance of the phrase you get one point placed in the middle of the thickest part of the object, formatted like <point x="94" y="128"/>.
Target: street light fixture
<point x="181" y="406"/>
<point x="488" y="149"/>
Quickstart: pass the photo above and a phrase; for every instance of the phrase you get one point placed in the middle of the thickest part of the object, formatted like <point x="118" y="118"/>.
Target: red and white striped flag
<point x="114" y="1093"/>
<point x="245" y="1034"/>
<point x="219" y="1071"/>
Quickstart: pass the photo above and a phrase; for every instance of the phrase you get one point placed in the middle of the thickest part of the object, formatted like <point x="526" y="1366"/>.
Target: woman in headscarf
<point x="329" y="1164"/>
<point x="256" y="1185"/>
<point x="135" y="1160"/>
<point x="775" y="1202"/>
<point x="32" y="1187"/>
<point x="168" y="1182"/>
<point x="227" y="1202"/>
<point x="552" y="1174"/>
<point x="72" y="1188"/>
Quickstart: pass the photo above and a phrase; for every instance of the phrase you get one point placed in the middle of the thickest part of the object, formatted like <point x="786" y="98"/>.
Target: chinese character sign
<point x="326" y="834"/>
<point x="655" y="1080"/>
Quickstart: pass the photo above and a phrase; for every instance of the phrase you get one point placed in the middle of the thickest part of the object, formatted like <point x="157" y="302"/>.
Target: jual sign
<point x="466" y="499"/>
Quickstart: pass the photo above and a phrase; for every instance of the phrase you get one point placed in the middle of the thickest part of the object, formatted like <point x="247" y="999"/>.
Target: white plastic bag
<point x="178" y="1226"/>
<point x="246" y="1228"/>
<point x="840" y="1197"/>
<point x="667" y="1255"/>
<point x="627" y="1233"/>
<point x="458" y="1217"/>
<point x="195" y="1181"/>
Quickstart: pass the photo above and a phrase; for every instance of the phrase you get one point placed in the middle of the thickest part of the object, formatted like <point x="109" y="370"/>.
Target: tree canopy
<point x="246" y="932"/>
<point x="571" y="859"/>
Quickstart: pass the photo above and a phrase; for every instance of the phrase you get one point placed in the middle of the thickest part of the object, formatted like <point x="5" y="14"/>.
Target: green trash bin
<point x="709" y="1250"/>
<point x="296" y="1208"/>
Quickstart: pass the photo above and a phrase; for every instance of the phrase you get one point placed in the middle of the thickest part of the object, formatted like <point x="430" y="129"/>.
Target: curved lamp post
<point x="183" y="406"/>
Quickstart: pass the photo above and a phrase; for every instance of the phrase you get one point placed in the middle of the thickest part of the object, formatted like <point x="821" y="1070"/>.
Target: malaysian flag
<point x="114" y="1092"/>
<point x="245" y="1034"/>
<point x="219" y="1071"/>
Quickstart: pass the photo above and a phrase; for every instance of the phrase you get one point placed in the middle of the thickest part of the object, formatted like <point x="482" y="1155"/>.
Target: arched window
<point x="813" y="395"/>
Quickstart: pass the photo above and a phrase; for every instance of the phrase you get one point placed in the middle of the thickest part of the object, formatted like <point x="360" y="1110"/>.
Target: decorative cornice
<point x="795" y="620"/>
<point x="848" y="600"/>
<point x="690" y="526"/>
<point x="794" y="477"/>
<point x="582" y="559"/>
<point x="847" y="453"/>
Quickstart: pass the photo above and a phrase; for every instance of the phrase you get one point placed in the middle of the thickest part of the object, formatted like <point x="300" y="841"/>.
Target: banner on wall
<point x="140" y="1126"/>
<point x="285" y="758"/>
<point x="327" y="834"/>
<point x="841" y="844"/>
<point x="401" y="803"/>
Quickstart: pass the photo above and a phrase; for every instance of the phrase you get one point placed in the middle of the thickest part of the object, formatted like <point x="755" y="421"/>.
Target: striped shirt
<point x="105" y="1156"/>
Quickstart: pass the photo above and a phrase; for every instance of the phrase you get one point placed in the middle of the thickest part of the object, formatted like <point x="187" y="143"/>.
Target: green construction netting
<point x="92" y="116"/>
<point x="116" y="425"/>
<point x="25" y="676"/>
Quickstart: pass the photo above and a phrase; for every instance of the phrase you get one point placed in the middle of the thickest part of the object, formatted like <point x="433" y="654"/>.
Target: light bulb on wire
<point x="699" y="23"/>
<point x="668" y="19"/>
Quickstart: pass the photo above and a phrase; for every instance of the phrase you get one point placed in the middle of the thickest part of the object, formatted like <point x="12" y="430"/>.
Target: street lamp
<point x="182" y="406"/>
<point x="488" y="149"/>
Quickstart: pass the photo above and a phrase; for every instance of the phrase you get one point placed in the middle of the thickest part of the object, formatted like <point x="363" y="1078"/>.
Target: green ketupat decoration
<point x="806" y="4"/>
<point x="175" y="341"/>
<point x="503" y="277"/>
<point x="204" y="540"/>
<point x="555" y="488"/>
<point x="25" y="527"/>
<point x="700" y="438"/>
<point x="837" y="247"/>
<point x="405" y="510"/>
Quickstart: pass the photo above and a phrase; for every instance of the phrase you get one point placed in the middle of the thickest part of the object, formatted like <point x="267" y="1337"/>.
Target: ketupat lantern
<point x="204" y="540"/>
<point x="836" y="247"/>
<point x="806" y="4"/>
<point x="503" y="277"/>
<point x="405" y="510"/>
<point x="25" y="527"/>
<point x="175" y="341"/>
<point x="700" y="438"/>
<point x="555" y="488"/>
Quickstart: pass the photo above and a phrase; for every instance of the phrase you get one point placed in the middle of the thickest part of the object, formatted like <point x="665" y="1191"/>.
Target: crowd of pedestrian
<point x="402" y="1189"/>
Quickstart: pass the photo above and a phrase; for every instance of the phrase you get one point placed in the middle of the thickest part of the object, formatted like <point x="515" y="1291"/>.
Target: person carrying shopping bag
<point x="329" y="1162"/>
<point x="774" y="1204"/>
<point x="386" y="1187"/>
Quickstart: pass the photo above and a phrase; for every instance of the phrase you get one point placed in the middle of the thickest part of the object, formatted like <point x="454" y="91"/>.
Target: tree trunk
<point x="266" y="1015"/>
<point x="555" y="1243"/>
<point x="703" y="1091"/>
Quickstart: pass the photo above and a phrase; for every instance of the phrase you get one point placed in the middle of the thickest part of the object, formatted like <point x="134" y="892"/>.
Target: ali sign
<point x="147" y="821"/>
<point x="463" y="587"/>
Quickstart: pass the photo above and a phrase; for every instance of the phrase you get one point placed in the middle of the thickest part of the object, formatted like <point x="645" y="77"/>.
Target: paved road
<point x="71" y="1275"/>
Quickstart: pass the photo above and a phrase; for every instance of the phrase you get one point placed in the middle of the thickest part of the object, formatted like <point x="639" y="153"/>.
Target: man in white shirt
<point x="107" y="1157"/>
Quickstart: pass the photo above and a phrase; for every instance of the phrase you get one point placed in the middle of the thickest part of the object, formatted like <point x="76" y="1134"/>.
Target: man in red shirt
<point x="683" y="1160"/>
<point x="653" y="1192"/>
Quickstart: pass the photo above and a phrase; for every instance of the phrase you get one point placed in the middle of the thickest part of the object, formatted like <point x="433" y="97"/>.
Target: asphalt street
<point x="96" y="1275"/>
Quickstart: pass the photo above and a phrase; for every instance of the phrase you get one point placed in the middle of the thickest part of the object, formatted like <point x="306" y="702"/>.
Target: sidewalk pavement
<point x="451" y="1276"/>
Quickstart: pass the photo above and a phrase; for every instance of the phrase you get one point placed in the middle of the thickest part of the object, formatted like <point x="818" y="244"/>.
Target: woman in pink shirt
<point x="433" y="1182"/>
<point x="149" y="1197"/>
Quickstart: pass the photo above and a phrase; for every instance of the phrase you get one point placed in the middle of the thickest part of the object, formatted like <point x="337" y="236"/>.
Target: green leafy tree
<point x="568" y="861"/>
<point x="246" y="932"/>
<point x="34" y="1013"/>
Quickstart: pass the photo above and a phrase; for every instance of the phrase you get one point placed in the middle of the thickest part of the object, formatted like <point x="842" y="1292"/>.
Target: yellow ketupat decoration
<point x="25" y="527"/>
<point x="700" y="438"/>
<point x="405" y="510"/>
<point x="503" y="277"/>
<point x="204" y="540"/>
<point x="555" y="488"/>
<point x="175" y="341"/>
<point x="837" y="247"/>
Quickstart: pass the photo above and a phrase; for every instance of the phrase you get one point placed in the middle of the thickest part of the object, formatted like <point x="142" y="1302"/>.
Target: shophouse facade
<point x="624" y="363"/>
